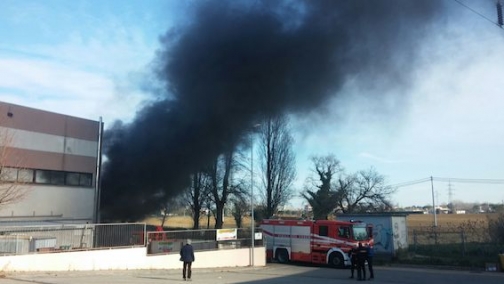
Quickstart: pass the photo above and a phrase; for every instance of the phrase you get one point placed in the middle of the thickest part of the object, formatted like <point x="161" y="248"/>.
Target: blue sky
<point x="89" y="58"/>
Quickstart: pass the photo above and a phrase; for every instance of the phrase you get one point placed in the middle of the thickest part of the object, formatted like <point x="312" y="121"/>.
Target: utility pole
<point x="433" y="202"/>
<point x="450" y="197"/>
<point x="252" y="221"/>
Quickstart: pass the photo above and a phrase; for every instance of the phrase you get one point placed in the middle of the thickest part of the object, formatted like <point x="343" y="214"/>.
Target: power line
<point x="408" y="183"/>
<point x="449" y="180"/>
<point x="469" y="180"/>
<point x="477" y="13"/>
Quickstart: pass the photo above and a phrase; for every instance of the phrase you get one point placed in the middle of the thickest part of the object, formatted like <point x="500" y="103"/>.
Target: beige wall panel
<point x="47" y="143"/>
<point x="30" y="119"/>
<point x="22" y="158"/>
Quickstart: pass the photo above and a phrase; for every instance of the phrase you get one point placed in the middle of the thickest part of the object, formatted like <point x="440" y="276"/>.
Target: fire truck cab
<point x="320" y="242"/>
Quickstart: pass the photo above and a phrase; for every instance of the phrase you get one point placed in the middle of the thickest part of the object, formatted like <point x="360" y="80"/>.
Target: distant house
<point x="442" y="210"/>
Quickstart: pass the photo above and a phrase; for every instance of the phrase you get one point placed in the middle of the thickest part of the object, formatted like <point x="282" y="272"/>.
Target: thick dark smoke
<point x="233" y="62"/>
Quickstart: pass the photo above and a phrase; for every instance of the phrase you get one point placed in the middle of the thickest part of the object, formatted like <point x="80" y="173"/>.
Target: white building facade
<point x="53" y="160"/>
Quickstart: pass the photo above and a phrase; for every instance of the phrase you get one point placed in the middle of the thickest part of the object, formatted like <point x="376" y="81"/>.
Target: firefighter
<point x="370" y="254"/>
<point x="362" y="255"/>
<point x="353" y="258"/>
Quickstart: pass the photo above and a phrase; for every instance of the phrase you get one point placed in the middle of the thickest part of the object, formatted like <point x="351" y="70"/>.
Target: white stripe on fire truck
<point x="286" y="235"/>
<point x="314" y="236"/>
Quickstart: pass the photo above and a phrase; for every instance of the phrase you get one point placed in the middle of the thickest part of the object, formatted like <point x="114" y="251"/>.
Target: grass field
<point x="187" y="223"/>
<point x="446" y="220"/>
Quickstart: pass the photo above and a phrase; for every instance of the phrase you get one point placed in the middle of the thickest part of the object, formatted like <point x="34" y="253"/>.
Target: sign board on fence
<point x="162" y="246"/>
<point x="258" y="236"/>
<point x="226" y="234"/>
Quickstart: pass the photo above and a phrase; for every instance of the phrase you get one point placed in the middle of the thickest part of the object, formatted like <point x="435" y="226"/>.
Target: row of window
<point x="46" y="177"/>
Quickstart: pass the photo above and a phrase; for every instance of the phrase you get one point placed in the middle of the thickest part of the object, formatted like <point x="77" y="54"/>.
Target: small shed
<point x="390" y="230"/>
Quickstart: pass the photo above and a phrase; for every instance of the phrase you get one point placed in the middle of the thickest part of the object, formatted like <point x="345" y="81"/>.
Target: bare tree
<point x="318" y="189"/>
<point x="239" y="208"/>
<point x="365" y="191"/>
<point x="277" y="163"/>
<point x="209" y="208"/>
<point x="13" y="177"/>
<point x="171" y="205"/>
<point x="196" y="196"/>
<point x="221" y="187"/>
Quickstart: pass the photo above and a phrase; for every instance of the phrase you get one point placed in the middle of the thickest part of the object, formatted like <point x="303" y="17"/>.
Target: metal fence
<point x="51" y="238"/>
<point x="172" y="241"/>
<point x="452" y="242"/>
<point x="66" y="237"/>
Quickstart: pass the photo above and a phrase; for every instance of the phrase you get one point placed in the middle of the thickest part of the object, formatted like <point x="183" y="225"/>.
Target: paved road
<point x="272" y="274"/>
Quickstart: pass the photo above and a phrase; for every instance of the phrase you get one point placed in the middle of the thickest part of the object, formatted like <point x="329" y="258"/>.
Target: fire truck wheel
<point x="336" y="260"/>
<point x="282" y="256"/>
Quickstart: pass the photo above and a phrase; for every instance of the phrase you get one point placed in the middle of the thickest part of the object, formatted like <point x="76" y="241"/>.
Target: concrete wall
<point x="127" y="258"/>
<point x="400" y="232"/>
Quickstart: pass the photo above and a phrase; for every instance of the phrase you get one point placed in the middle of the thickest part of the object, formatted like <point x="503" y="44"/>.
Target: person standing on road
<point x="187" y="256"/>
<point x="353" y="260"/>
<point x="361" y="262"/>
<point x="370" y="254"/>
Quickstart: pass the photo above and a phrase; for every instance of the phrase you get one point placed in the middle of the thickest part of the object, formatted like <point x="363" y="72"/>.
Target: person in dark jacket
<point x="353" y="259"/>
<point x="362" y="254"/>
<point x="187" y="256"/>
<point x="370" y="254"/>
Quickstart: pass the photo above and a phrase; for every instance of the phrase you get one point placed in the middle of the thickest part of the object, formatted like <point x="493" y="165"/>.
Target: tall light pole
<point x="252" y="221"/>
<point x="252" y="236"/>
<point x="433" y="202"/>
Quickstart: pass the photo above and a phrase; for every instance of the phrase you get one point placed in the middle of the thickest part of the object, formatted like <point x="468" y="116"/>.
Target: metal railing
<point x="211" y="239"/>
<point x="52" y="238"/>
<point x="452" y="242"/>
<point x="67" y="237"/>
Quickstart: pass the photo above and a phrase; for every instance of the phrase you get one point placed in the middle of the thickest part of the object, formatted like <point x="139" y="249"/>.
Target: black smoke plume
<point x="231" y="63"/>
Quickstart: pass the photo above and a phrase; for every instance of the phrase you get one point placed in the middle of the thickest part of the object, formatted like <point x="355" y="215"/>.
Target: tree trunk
<point x="196" y="217"/>
<point x="218" y="218"/>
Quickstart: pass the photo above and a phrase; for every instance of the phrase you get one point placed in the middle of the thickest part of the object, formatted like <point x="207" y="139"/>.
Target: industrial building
<point x="49" y="166"/>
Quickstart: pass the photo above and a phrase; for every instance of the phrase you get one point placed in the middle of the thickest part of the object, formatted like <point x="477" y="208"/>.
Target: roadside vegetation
<point x="467" y="241"/>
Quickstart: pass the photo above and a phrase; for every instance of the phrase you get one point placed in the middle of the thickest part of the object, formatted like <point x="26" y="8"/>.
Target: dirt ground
<point x="443" y="220"/>
<point x="187" y="223"/>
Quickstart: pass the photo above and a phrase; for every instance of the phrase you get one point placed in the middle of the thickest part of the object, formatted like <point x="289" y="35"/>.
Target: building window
<point x="78" y="179"/>
<point x="72" y="179"/>
<point x="85" y="180"/>
<point x="8" y="174"/>
<point x="42" y="176"/>
<point x="48" y="177"/>
<point x="57" y="178"/>
<point x="25" y="175"/>
<point x="16" y="175"/>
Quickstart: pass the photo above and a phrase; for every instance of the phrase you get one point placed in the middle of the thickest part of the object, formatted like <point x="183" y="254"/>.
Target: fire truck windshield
<point x="360" y="233"/>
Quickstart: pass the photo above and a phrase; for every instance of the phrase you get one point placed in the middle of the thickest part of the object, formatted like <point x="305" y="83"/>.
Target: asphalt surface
<point x="271" y="274"/>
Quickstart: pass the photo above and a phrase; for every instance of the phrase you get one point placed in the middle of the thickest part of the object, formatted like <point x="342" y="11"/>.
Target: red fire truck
<point x="321" y="241"/>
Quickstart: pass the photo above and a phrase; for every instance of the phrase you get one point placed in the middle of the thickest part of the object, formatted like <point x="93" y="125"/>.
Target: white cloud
<point x="49" y="79"/>
<point x="85" y="76"/>
<point x="378" y="159"/>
